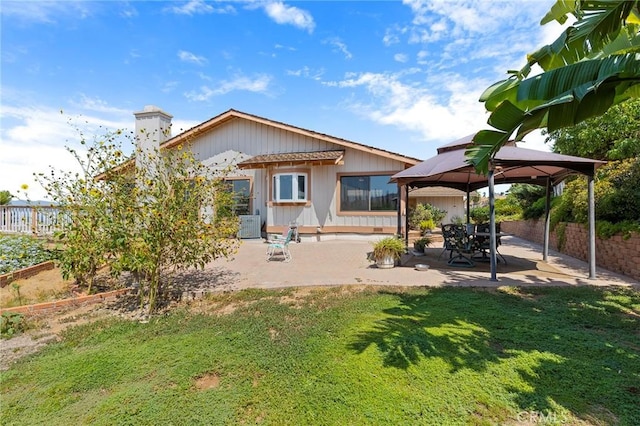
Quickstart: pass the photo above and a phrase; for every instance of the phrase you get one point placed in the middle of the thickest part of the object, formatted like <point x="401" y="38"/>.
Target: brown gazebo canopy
<point x="511" y="164"/>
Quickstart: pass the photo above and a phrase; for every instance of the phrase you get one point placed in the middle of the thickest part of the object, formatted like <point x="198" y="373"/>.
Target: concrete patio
<point x="339" y="262"/>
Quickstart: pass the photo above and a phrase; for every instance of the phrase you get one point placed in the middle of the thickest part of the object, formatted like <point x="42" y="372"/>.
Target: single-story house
<point x="283" y="174"/>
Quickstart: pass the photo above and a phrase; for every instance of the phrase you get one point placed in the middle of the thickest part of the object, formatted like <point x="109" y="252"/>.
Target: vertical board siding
<point x="454" y="206"/>
<point x="253" y="138"/>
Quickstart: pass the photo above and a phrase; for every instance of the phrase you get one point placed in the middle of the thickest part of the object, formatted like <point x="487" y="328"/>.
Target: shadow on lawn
<point x="184" y="285"/>
<point x="580" y="346"/>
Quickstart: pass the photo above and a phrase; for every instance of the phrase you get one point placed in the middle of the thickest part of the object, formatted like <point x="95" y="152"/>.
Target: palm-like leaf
<point x="559" y="98"/>
<point x="593" y="65"/>
<point x="480" y="153"/>
<point x="599" y="24"/>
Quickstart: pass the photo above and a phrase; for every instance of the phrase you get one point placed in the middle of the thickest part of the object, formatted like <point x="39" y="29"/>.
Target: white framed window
<point x="290" y="187"/>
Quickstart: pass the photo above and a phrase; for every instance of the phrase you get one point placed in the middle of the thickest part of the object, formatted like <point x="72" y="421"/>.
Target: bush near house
<point x="505" y="209"/>
<point x="424" y="212"/>
<point x="152" y="219"/>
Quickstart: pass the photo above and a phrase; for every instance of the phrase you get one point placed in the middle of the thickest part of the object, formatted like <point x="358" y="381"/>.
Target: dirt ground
<point x="42" y="329"/>
<point x="47" y="285"/>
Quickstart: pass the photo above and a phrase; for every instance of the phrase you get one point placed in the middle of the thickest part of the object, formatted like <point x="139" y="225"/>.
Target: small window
<point x="368" y="193"/>
<point x="290" y="187"/>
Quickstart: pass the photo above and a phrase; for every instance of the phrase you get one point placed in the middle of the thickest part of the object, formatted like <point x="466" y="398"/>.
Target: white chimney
<point x="153" y="127"/>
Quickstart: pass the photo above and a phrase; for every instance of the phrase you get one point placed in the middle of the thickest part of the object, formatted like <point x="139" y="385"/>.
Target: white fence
<point x="39" y="220"/>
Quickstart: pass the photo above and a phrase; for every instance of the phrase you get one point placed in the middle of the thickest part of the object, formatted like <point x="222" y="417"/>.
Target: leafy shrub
<point x="525" y="195"/>
<point x="479" y="214"/>
<point x="620" y="199"/>
<point x="535" y="210"/>
<point x="11" y="323"/>
<point x="457" y="219"/>
<point x="425" y="212"/>
<point x="427" y="225"/>
<point x="18" y="252"/>
<point x="506" y="209"/>
<point x="606" y="229"/>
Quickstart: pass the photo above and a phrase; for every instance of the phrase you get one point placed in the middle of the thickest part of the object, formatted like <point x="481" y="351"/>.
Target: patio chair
<point x="448" y="237"/>
<point x="457" y="241"/>
<point x="482" y="242"/>
<point x="279" y="247"/>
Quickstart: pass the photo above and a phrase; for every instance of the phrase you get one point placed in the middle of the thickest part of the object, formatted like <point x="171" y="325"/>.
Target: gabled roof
<point x="234" y="115"/>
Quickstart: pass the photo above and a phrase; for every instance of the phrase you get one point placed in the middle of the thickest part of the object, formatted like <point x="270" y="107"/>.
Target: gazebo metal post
<point x="592" y="228"/>
<point x="547" y="220"/>
<point x="406" y="216"/>
<point x="468" y="205"/>
<point x="492" y="225"/>
<point x="399" y="225"/>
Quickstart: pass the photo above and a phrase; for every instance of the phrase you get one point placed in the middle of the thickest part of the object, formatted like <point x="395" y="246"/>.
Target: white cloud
<point x="401" y="57"/>
<point x="437" y="117"/>
<point x="178" y="126"/>
<point x="128" y="11"/>
<point x="199" y="7"/>
<point x="289" y="48"/>
<point x="291" y="15"/>
<point x="46" y="11"/>
<point x="259" y="84"/>
<point x="191" y="57"/>
<point x="473" y="30"/>
<point x="307" y="73"/>
<point x="169" y="86"/>
<point x="34" y="138"/>
<point x="391" y="37"/>
<point x="422" y="57"/>
<point x="535" y="140"/>
<point x="86" y="103"/>
<point x="340" y="46"/>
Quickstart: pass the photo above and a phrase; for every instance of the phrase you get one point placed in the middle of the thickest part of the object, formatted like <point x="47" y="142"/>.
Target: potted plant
<point x="420" y="244"/>
<point x="387" y="251"/>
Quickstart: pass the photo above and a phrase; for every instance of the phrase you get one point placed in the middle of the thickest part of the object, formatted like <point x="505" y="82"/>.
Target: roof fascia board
<point x="230" y="114"/>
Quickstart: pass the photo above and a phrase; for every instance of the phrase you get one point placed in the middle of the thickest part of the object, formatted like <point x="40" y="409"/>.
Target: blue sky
<point x="402" y="76"/>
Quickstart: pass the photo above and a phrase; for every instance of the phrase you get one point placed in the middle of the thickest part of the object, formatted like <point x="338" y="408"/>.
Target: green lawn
<point x="339" y="356"/>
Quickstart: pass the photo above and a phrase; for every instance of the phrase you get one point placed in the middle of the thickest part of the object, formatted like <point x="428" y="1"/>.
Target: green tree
<point x="526" y="195"/>
<point x="153" y="219"/>
<point x="5" y="198"/>
<point x="172" y="225"/>
<point x="85" y="206"/>
<point x="613" y="136"/>
<point x="593" y="65"/>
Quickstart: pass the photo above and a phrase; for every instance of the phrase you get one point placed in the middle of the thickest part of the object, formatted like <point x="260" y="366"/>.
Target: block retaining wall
<point x="26" y="272"/>
<point x="47" y="307"/>
<point x="615" y="254"/>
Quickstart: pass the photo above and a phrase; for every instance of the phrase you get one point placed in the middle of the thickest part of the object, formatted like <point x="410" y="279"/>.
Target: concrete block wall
<point x="615" y="254"/>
